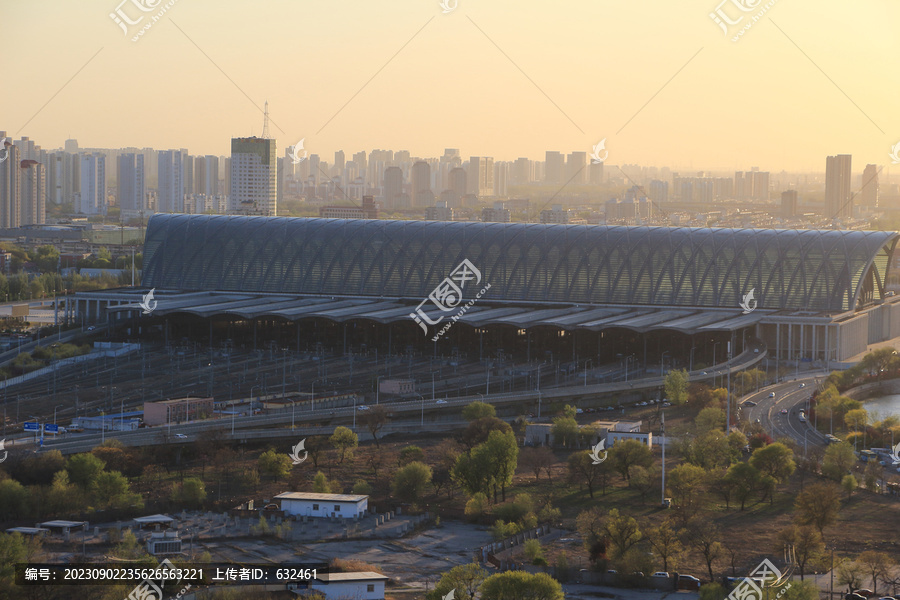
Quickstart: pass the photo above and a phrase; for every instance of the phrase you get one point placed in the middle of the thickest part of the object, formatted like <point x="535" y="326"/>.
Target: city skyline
<point x="672" y="101"/>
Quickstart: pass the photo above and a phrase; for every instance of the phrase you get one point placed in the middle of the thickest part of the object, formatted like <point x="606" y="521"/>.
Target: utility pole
<point x="663" y="432"/>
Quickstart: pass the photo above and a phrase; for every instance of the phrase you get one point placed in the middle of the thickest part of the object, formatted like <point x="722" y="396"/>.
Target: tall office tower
<point x="521" y="172"/>
<point x="837" y="187"/>
<point x="32" y="193"/>
<point x="226" y="177"/>
<point x="554" y="167"/>
<point x="576" y="171"/>
<point x="789" y="204"/>
<point x="742" y="185"/>
<point x="279" y="188"/>
<point x="501" y="178"/>
<point x="868" y="197"/>
<point x="254" y="171"/>
<point x="187" y="172"/>
<point x="393" y="187"/>
<point x="71" y="146"/>
<point x="56" y="173"/>
<point x="151" y="166"/>
<point x="93" y="185"/>
<point x="595" y="173"/>
<point x="480" y="178"/>
<point x="206" y="175"/>
<point x="457" y="186"/>
<point x="421" y="184"/>
<point x="314" y="168"/>
<point x="9" y="183"/>
<point x="450" y="154"/>
<point x="659" y="190"/>
<point x="400" y="157"/>
<point x="339" y="161"/>
<point x="289" y="169"/>
<point x="130" y="182"/>
<point x="170" y="197"/>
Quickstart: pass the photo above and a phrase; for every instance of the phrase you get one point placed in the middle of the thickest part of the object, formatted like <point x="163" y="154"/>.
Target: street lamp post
<point x="377" y="383"/>
<point x="662" y="362"/>
<point x="586" y="369"/>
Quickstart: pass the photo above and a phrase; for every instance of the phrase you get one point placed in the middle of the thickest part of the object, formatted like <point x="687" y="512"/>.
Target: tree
<point x="463" y="579"/>
<point x="14" y="499"/>
<point x="361" y="487"/>
<point x="537" y="460"/>
<point x="621" y="531"/>
<point x="564" y="431"/>
<point x="374" y="420"/>
<point x="686" y="486"/>
<point x="83" y="469"/>
<point x="839" y="458"/>
<point x="807" y="543"/>
<point x="676" y="386"/>
<point x="315" y="445"/>
<point x="519" y="585"/>
<point x="473" y="472"/>
<point x="46" y="258"/>
<point x="849" y="485"/>
<point x="478" y="431"/>
<point x="502" y="453"/>
<point x="344" y="440"/>
<point x="477" y="410"/>
<point x="410" y="454"/>
<point x="776" y="460"/>
<point x="111" y="489"/>
<point x="322" y="485"/>
<point x="666" y="544"/>
<point x="411" y="482"/>
<point x="275" y="464"/>
<point x="850" y="573"/>
<point x="704" y="536"/>
<point x="589" y="524"/>
<point x="857" y="419"/>
<point x="191" y="493"/>
<point x="744" y="479"/>
<point x="709" y="419"/>
<point x="476" y="506"/>
<point x="629" y="453"/>
<point x="818" y="505"/>
<point x="583" y="470"/>
<point x="15" y="548"/>
<point x="877" y="565"/>
<point x="644" y="480"/>
<point x="533" y="550"/>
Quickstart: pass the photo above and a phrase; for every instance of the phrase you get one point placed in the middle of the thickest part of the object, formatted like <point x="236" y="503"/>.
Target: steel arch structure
<point x="816" y="270"/>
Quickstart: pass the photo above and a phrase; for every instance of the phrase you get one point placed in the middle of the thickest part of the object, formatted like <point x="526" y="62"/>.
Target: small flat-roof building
<point x="154" y="521"/>
<point x="360" y="585"/>
<point x="310" y="504"/>
<point x="177" y="410"/>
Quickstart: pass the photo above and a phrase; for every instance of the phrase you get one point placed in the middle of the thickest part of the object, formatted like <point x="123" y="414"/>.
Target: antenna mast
<point x="265" y="132"/>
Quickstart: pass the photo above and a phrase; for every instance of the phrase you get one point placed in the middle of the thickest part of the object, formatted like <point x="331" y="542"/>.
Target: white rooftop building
<point x="310" y="504"/>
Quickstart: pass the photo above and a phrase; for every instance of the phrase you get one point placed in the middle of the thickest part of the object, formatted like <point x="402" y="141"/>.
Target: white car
<point x="362" y="407"/>
<point x="181" y="436"/>
<point x="660" y="574"/>
<point x="440" y="401"/>
<point x="771" y="394"/>
<point x="802" y="385"/>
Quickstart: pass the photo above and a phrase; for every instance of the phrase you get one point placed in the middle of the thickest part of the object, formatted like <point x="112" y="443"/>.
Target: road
<point x="789" y="396"/>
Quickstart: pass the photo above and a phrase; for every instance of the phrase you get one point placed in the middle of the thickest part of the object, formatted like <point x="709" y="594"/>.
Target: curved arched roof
<point x="820" y="270"/>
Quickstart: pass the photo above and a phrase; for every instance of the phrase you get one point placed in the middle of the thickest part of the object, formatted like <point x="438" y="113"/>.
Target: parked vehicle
<point x="688" y="582"/>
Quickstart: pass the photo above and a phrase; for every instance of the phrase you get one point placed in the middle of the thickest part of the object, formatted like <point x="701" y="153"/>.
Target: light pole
<point x="54" y="412"/>
<point x="662" y="361"/>
<point x="714" y="352"/>
<point x="586" y="369"/>
<point x="251" y="396"/>
<point x="377" y="384"/>
<point x="432" y="386"/>
<point x="691" y="368"/>
<point x="292" y="414"/>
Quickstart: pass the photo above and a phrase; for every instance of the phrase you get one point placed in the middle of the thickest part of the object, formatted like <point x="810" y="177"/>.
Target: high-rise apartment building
<point x="206" y="175"/>
<point x="576" y="172"/>
<point x="868" y="197"/>
<point x="838" y="204"/>
<point x="393" y="187"/>
<point x="501" y="179"/>
<point x="420" y="188"/>
<point x="480" y="176"/>
<point x="130" y="184"/>
<point x="32" y="196"/>
<point x="187" y="173"/>
<point x="9" y="183"/>
<point x="254" y="171"/>
<point x="789" y="204"/>
<point x="93" y="185"/>
<point x="554" y="167"/>
<point x="170" y="190"/>
<point x="521" y="172"/>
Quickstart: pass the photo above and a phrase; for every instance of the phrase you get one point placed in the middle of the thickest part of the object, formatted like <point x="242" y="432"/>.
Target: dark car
<point x="854" y="596"/>
<point x="688" y="582"/>
<point x="865" y="592"/>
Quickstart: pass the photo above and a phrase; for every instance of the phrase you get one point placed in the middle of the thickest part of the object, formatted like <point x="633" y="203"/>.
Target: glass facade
<point x="816" y="270"/>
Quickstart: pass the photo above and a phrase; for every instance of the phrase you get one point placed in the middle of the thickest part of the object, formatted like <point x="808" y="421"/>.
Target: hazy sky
<point x="583" y="69"/>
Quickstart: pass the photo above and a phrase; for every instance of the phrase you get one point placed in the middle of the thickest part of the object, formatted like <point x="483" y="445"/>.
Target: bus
<point x="866" y="455"/>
